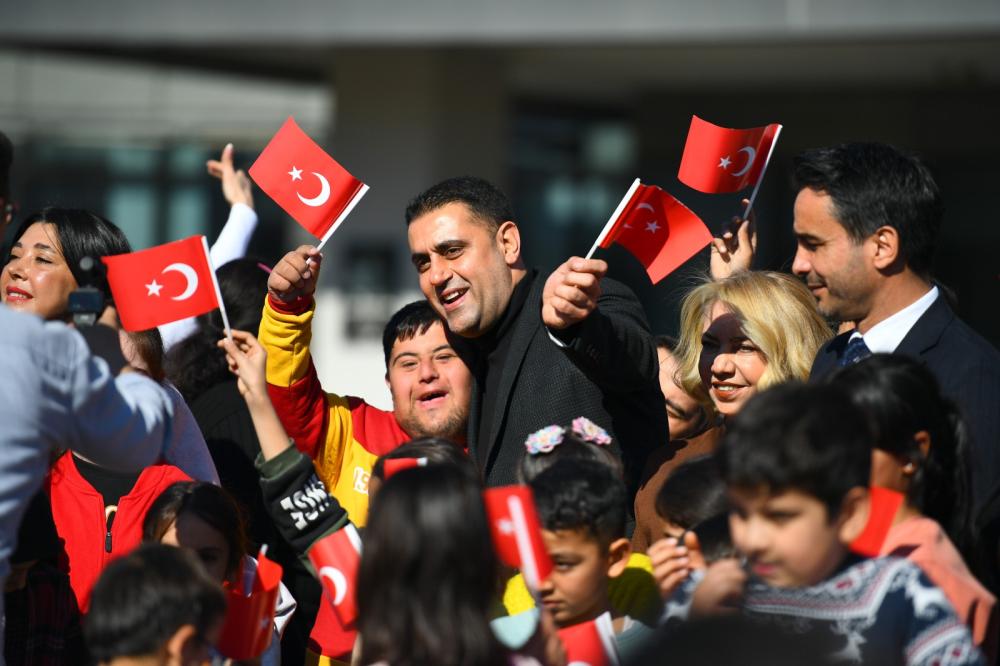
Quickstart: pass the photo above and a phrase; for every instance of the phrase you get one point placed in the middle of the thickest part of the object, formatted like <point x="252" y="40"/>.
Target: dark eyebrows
<point x="443" y="246"/>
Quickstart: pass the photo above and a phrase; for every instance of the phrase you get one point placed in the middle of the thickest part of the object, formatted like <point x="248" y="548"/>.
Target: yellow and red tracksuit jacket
<point x="343" y="435"/>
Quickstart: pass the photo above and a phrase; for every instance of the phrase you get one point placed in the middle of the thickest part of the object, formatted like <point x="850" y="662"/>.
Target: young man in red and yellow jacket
<point x="430" y="386"/>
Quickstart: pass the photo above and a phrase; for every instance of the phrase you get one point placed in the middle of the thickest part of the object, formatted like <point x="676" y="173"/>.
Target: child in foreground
<point x="796" y="463"/>
<point x="581" y="505"/>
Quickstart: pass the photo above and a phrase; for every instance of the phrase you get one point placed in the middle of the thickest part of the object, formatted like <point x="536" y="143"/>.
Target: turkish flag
<point x="163" y="284"/>
<point x="391" y="466"/>
<point x="247" y="629"/>
<point x="590" y="643"/>
<point x="307" y="183"/>
<point x="658" y="230"/>
<point x="884" y="505"/>
<point x="517" y="533"/>
<point x="336" y="559"/>
<point x="718" y="159"/>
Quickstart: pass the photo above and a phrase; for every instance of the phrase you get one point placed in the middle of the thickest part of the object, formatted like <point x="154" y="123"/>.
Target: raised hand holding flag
<point x="306" y="182"/>
<point x="656" y="228"/>
<point x="164" y="284"/>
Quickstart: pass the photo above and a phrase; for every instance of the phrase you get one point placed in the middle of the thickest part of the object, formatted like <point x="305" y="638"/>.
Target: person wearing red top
<point x="99" y="513"/>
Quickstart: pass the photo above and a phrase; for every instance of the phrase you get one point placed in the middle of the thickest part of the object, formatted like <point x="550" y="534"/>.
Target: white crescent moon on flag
<point x="322" y="197"/>
<point x="646" y="205"/>
<point x="338" y="580"/>
<point x="751" y="156"/>
<point x="189" y="275"/>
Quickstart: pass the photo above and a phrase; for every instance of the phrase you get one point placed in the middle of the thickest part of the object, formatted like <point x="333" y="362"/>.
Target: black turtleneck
<point x="494" y="348"/>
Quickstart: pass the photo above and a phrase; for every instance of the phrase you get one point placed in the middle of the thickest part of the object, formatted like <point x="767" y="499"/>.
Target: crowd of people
<point x="699" y="497"/>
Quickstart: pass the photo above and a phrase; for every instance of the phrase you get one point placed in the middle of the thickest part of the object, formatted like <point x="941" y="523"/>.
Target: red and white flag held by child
<point x="718" y="159"/>
<point x="306" y="182"/>
<point x="248" y="626"/>
<point x="590" y="643"/>
<point x="517" y="533"/>
<point x="336" y="559"/>
<point x="656" y="228"/>
<point x="392" y="466"/>
<point x="884" y="504"/>
<point x="163" y="284"/>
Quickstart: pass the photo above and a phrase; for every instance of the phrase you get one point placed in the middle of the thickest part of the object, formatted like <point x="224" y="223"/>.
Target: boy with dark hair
<point x="796" y="465"/>
<point x="155" y="605"/>
<point x="582" y="507"/>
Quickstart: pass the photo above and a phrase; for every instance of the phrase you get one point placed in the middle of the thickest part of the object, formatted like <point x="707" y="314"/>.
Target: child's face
<point x="577" y="588"/>
<point x="788" y="536"/>
<point x="191" y="532"/>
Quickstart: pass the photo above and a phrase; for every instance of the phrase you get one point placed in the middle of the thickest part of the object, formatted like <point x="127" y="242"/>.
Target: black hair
<point x="144" y="597"/>
<point x="409" y="321"/>
<point x="901" y="397"/>
<point x="874" y="185"/>
<point x="428" y="574"/>
<point x="693" y="492"/>
<point x="572" y="447"/>
<point x="666" y="342"/>
<point x="575" y="494"/>
<point x="196" y="364"/>
<point x="437" y="450"/>
<point x="801" y="437"/>
<point x="489" y="205"/>
<point x="82" y="234"/>
<point x="6" y="159"/>
<point x="207" y="501"/>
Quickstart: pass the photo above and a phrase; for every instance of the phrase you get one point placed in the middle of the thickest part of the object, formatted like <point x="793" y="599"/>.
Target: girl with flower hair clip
<point x="581" y="439"/>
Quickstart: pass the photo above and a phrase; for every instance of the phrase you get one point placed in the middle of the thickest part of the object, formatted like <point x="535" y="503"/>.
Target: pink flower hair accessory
<point x="544" y="440"/>
<point x="589" y="431"/>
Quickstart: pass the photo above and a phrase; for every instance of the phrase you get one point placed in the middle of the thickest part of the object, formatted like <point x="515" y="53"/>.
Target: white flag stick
<point x="767" y="160"/>
<point x="218" y="292"/>
<point x="614" y="217"/>
<point x="343" y="215"/>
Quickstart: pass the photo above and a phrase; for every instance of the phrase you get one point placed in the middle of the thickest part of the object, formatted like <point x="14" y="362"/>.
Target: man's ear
<point x="509" y="241"/>
<point x="618" y="555"/>
<point x="853" y="516"/>
<point x="184" y="646"/>
<point x="887" y="250"/>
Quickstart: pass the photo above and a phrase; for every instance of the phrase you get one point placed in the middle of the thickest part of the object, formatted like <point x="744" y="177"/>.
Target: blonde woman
<point x="743" y="333"/>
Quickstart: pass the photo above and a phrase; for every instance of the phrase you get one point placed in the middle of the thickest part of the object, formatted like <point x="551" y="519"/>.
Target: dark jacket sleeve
<point x="302" y="509"/>
<point x="613" y="345"/>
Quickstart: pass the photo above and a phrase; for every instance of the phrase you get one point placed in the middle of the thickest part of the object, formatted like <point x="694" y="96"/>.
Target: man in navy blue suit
<point x="866" y="219"/>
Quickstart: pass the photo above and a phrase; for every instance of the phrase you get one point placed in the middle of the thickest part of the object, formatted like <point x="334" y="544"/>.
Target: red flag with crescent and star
<point x="657" y="229"/>
<point x="247" y="628"/>
<point x="718" y="159"/>
<point x="336" y="559"/>
<point x="163" y="284"/>
<point x="517" y="533"/>
<point x="590" y="643"/>
<point x="306" y="182"/>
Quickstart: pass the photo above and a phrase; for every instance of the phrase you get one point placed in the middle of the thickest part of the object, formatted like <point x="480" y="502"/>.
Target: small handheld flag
<point x="336" y="559"/>
<point x="164" y="284"/>
<point x="656" y="228"/>
<point x="590" y="643"/>
<point x="306" y="182"/>
<point x="516" y="531"/>
<point x="392" y="466"/>
<point x="884" y="505"/>
<point x="247" y="628"/>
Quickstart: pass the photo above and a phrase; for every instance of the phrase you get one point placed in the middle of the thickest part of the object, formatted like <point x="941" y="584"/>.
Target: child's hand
<point x="672" y="562"/>
<point x="296" y="274"/>
<point x="721" y="590"/>
<point x="248" y="361"/>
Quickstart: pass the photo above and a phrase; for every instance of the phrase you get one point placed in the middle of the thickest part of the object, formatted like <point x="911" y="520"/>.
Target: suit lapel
<point x="528" y="322"/>
<point x="927" y="330"/>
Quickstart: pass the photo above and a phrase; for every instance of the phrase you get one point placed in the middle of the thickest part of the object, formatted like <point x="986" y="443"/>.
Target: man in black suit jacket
<point x="543" y="350"/>
<point x="866" y="219"/>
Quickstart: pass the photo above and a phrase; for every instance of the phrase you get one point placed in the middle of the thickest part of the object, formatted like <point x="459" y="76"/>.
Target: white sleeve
<point x="187" y="448"/>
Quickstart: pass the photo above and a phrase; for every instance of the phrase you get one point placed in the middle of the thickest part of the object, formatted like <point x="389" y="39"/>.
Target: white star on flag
<point x="725" y="162"/>
<point x="651" y="227"/>
<point x="296" y="174"/>
<point x="506" y="526"/>
<point x="153" y="289"/>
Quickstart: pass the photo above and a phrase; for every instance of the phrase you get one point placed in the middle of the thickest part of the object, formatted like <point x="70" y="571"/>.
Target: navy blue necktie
<point x="855" y="351"/>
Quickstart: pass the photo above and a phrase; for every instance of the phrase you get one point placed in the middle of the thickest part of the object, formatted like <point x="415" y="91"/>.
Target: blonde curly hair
<point x="776" y="312"/>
